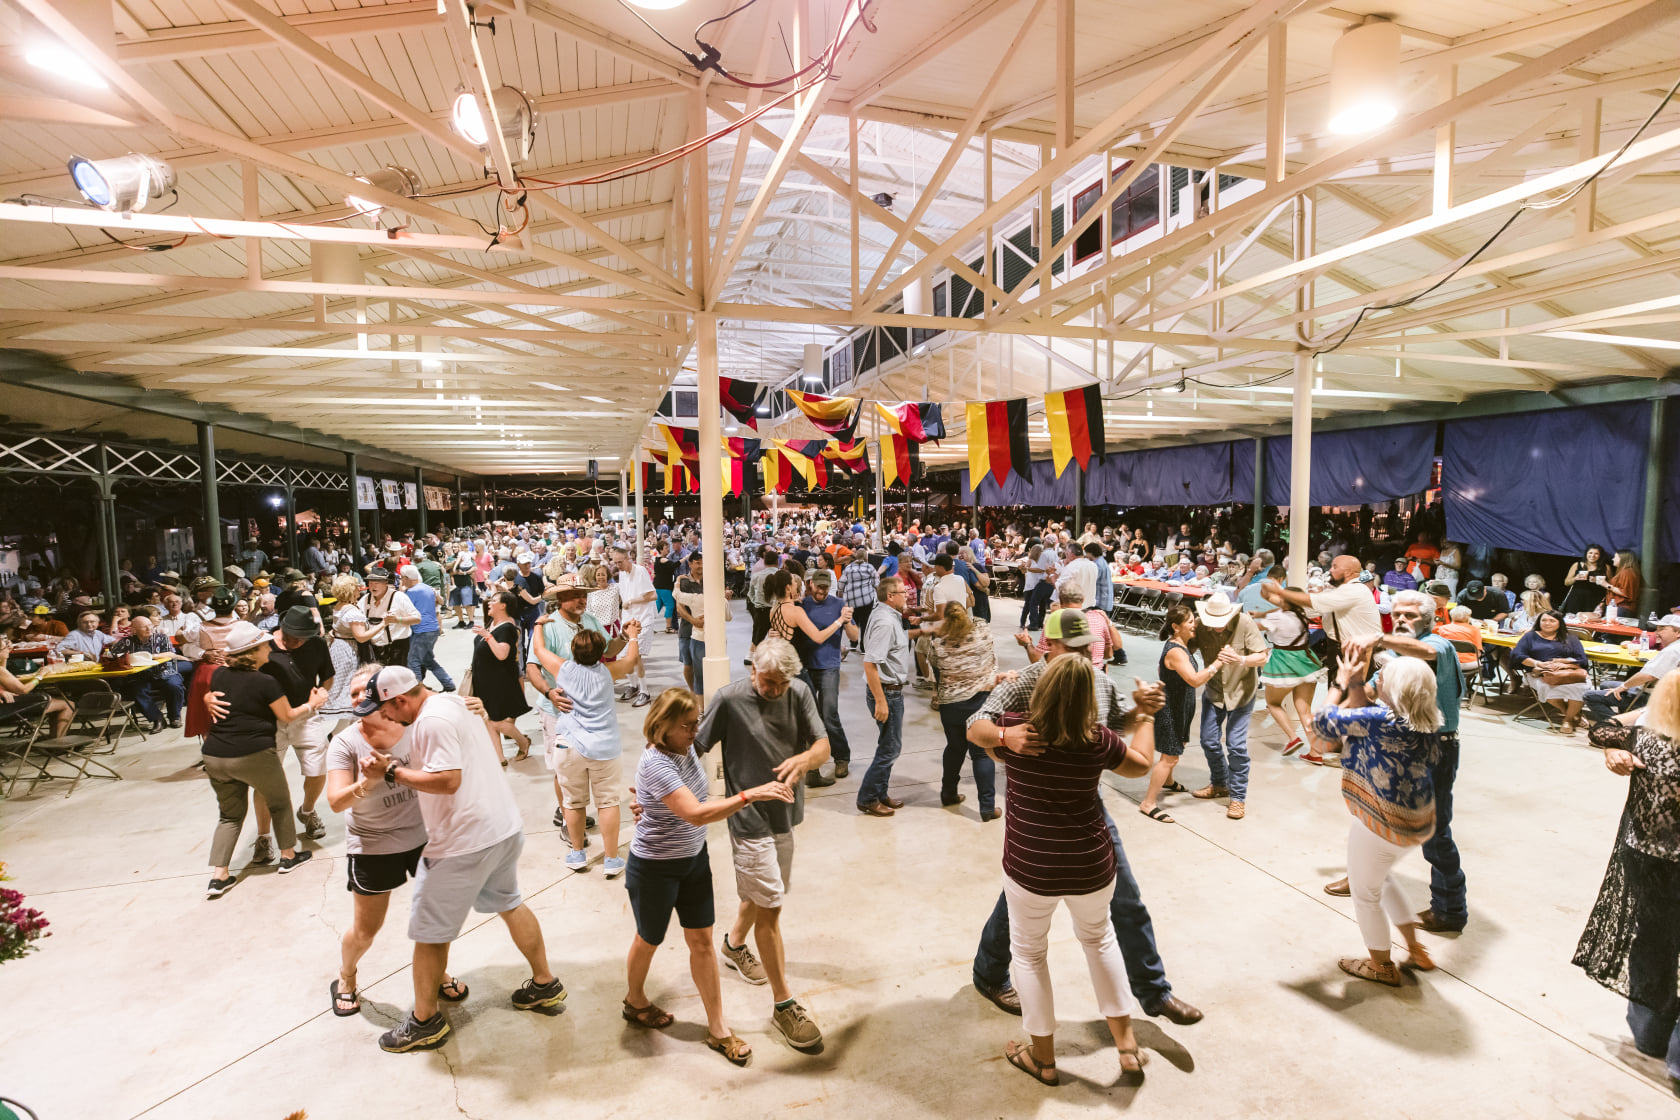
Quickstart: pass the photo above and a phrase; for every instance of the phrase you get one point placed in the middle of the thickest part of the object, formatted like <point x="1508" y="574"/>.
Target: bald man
<point x="1346" y="608"/>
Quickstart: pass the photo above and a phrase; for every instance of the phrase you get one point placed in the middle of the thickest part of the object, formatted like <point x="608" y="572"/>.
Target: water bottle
<point x="1644" y="641"/>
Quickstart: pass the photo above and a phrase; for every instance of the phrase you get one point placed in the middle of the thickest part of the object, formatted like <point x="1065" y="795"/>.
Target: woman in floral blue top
<point x="1388" y="746"/>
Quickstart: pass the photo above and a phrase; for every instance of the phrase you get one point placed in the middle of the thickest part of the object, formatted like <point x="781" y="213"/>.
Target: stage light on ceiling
<point x="813" y="363"/>
<point x="512" y="107"/>
<point x="1365" y="77"/>
<point x="62" y="62"/>
<point x="392" y="179"/>
<point x="123" y="184"/>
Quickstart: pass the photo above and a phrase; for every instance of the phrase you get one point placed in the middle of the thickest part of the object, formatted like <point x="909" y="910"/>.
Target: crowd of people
<point x="333" y="663"/>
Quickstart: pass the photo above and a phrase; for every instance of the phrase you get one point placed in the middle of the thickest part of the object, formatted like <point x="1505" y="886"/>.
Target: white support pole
<point x="1300" y="470"/>
<point x="641" y="523"/>
<point x="711" y="502"/>
<point x="880" y="497"/>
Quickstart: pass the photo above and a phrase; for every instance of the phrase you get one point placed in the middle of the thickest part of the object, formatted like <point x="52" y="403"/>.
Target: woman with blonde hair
<point x="349" y="637"/>
<point x="1389" y="745"/>
<point x="669" y="868"/>
<point x="1056" y="850"/>
<point x="961" y="649"/>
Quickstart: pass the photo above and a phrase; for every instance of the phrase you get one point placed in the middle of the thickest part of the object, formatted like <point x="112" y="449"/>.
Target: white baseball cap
<point x="386" y="684"/>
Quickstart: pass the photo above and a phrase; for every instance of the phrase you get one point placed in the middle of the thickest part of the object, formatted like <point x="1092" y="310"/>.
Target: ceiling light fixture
<point x="1365" y="77"/>
<point x="391" y="179"/>
<point x="62" y="62"/>
<point x="813" y="363"/>
<point x="123" y="184"/>
<point x="516" y="112"/>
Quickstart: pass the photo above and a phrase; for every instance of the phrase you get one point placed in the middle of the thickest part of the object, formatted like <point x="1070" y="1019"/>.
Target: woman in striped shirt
<point x="1056" y="849"/>
<point x="1389" y="746"/>
<point x="669" y="868"/>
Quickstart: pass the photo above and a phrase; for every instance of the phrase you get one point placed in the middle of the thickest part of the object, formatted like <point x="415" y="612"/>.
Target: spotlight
<point x="60" y="61"/>
<point x="883" y="200"/>
<point x="123" y="184"/>
<point x="392" y="179"/>
<point x="1365" y="77"/>
<point x="512" y="107"/>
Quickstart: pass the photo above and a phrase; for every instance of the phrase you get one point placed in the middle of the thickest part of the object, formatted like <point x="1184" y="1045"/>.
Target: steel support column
<point x="1259" y="495"/>
<point x="460" y="505"/>
<point x="291" y="524"/>
<point x="1300" y="471"/>
<point x="211" y="549"/>
<point x="641" y="513"/>
<point x="711" y="503"/>
<point x="1078" y="505"/>
<point x="109" y="564"/>
<point x="355" y="514"/>
<point x="374" y="519"/>
<point x="880" y="483"/>
<point x="420" y="503"/>
<point x="1649" y="542"/>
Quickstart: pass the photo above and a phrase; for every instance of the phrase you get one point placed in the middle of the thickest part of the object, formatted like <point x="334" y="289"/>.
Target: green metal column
<point x="355" y="514"/>
<point x="460" y="505"/>
<point x="1259" y="495"/>
<point x="420" y="502"/>
<point x="293" y="557"/>
<point x="211" y="549"/>
<point x="1078" y="505"/>
<point x="1648" y="541"/>
<point x="108" y="561"/>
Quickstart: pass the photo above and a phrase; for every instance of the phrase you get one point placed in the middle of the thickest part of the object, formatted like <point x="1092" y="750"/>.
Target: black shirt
<point x="689" y="586"/>
<point x="533" y="583"/>
<point x="664" y="574"/>
<point x="1486" y="605"/>
<point x="299" y="670"/>
<point x="294" y="598"/>
<point x="249" y="727"/>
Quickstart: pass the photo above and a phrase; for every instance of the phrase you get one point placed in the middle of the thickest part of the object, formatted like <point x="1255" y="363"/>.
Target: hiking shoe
<point x="741" y="959"/>
<point x="532" y="995"/>
<point x="219" y="887"/>
<point x="577" y="860"/>
<point x="1005" y="999"/>
<point x="815" y="779"/>
<point x="797" y="1027"/>
<point x="415" y="1035"/>
<point x="842" y="768"/>
<point x="299" y="857"/>
<point x="613" y="866"/>
<point x="311" y="822"/>
<point x="264" y="851"/>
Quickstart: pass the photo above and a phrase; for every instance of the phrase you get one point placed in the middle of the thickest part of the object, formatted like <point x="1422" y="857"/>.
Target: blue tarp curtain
<point x="1197" y="475"/>
<point x="1042" y="489"/>
<point x="1551" y="482"/>
<point x="1348" y="468"/>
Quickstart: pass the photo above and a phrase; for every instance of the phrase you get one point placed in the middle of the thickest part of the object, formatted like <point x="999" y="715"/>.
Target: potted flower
<point x="20" y="926"/>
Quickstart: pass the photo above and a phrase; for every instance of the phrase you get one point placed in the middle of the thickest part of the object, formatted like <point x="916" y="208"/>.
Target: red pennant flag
<point x="853" y="457"/>
<point x="898" y="459"/>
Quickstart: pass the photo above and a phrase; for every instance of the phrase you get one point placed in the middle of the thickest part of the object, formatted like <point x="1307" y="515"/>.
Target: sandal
<point x="734" y="1048"/>
<point x="1419" y="960"/>
<point x="345" y="1002"/>
<point x="653" y="1017"/>
<point x="1208" y="793"/>
<point x="1174" y="786"/>
<point x="1236" y="811"/>
<point x="1142" y="1060"/>
<point x="452" y="990"/>
<point x="1363" y="968"/>
<point x="1157" y="814"/>
<point x="1021" y="1058"/>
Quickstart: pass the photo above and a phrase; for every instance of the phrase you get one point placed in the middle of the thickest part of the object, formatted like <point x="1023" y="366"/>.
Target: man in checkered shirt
<point x="857" y="590"/>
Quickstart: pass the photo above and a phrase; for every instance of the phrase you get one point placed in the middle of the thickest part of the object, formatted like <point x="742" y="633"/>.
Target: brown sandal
<point x="1021" y="1058"/>
<point x="1235" y="811"/>
<point x="1208" y="793"/>
<point x="1364" y="969"/>
<point x="734" y="1048"/>
<point x="1133" y="1075"/>
<point x="1419" y="960"/>
<point x="653" y="1017"/>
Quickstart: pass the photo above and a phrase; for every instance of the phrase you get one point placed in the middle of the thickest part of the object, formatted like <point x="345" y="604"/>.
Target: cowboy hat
<point x="1216" y="610"/>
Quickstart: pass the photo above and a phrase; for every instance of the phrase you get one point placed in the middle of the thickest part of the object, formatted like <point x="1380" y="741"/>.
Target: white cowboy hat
<point x="1216" y="610"/>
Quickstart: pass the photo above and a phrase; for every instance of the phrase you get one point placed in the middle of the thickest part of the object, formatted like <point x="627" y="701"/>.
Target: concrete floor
<point x="149" y="1000"/>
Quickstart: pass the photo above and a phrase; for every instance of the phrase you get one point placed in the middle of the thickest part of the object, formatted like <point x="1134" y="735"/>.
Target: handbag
<point x="1567" y="676"/>
<point x="112" y="663"/>
<point x="465" y="687"/>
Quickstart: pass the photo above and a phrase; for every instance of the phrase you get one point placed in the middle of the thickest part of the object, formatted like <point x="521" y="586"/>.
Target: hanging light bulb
<point x="391" y="179"/>
<point x="1365" y="77"/>
<point x="813" y="363"/>
<point x="515" y="111"/>
<point x="123" y="184"/>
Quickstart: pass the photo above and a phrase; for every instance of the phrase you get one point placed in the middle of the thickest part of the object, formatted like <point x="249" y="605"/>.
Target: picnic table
<point x="1157" y="585"/>
<point x="1599" y="626"/>
<point x="81" y="674"/>
<point x="1603" y="652"/>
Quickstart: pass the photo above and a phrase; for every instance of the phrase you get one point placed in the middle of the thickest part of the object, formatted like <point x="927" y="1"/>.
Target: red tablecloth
<point x="1602" y="627"/>
<point x="1156" y="585"/>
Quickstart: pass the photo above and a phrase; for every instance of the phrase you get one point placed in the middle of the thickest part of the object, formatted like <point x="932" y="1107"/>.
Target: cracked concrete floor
<point x="151" y="1001"/>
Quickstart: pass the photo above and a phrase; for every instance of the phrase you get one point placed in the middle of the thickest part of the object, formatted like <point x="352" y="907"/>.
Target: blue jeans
<point x="144" y="693"/>
<point x="693" y="654"/>
<point x="1145" y="973"/>
<point x="1651" y="964"/>
<point x="954" y="719"/>
<point x="1600" y="707"/>
<point x="825" y="683"/>
<point x="1446" y="878"/>
<point x="421" y="657"/>
<point x="888" y="743"/>
<point x="1032" y="611"/>
<point x="1228" y="764"/>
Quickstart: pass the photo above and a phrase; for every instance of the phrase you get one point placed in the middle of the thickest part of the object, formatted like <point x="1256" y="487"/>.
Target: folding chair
<point x="1539" y="705"/>
<point x="1127" y="601"/>
<point x="74" y="751"/>
<point x="1472" y="673"/>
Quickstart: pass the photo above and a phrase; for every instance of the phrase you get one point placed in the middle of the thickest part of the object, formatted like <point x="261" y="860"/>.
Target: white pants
<point x="1374" y="891"/>
<point x="1029" y="941"/>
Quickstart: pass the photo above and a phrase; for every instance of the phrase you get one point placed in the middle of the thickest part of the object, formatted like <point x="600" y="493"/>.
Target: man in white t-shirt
<point x="639" y="603"/>
<point x="1081" y="571"/>
<point x="473" y="839"/>
<point x="1346" y="609"/>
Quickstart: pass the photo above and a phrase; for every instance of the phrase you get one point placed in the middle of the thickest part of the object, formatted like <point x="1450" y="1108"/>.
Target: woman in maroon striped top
<point x="1056" y="849"/>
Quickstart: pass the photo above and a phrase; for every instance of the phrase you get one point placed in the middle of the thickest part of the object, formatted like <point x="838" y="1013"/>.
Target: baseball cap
<point x="42" y="608"/>
<point x="386" y="684"/>
<point x="1670" y="620"/>
<point x="524" y="558"/>
<point x="1068" y="627"/>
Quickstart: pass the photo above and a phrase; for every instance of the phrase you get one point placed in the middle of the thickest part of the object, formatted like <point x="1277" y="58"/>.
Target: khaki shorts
<point x="583" y="779"/>
<point x="308" y="737"/>
<point x="763" y="868"/>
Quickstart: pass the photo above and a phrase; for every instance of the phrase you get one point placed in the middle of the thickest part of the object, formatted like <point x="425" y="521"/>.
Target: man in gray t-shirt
<point x="769" y="729"/>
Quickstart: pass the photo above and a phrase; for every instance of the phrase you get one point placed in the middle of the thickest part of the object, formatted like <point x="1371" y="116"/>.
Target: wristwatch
<point x="391" y="774"/>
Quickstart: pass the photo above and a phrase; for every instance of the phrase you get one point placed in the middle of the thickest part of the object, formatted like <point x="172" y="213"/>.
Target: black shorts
<point x="659" y="886"/>
<point x="382" y="872"/>
<point x="760" y="623"/>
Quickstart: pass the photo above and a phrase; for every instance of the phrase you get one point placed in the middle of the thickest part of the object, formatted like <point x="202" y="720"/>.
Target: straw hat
<point x="1216" y="610"/>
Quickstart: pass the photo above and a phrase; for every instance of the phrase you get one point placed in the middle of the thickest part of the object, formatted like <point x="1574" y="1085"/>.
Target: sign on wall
<point x="392" y="493"/>
<point x="411" y="496"/>
<point x="366" y="496"/>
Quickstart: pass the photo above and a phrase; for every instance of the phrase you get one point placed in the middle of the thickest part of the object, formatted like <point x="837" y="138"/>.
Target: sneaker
<point x="311" y="821"/>
<point x="588" y="821"/>
<point x="532" y="995"/>
<point x="264" y="851"/>
<point x="577" y="861"/>
<point x="1005" y="999"/>
<point x="613" y="866"/>
<point x="300" y="857"/>
<point x="642" y="700"/>
<point x="415" y="1035"/>
<point x="842" y="767"/>
<point x="176" y="722"/>
<point x="797" y="1027"/>
<point x="815" y="779"/>
<point x="219" y="887"/>
<point x="741" y="959"/>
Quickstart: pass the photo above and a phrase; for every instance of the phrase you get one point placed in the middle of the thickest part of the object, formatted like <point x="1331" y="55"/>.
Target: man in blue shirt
<point x="822" y="664"/>
<point x="423" y="636"/>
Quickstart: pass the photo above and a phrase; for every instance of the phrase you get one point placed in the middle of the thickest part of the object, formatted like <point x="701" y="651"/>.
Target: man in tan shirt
<point x="1228" y="636"/>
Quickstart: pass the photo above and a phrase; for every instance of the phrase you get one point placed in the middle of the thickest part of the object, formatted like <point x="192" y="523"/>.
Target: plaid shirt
<point x="1113" y="706"/>
<point x="858" y="583"/>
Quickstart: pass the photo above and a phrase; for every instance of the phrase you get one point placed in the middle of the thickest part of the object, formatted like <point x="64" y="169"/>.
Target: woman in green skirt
<point x="1292" y="671"/>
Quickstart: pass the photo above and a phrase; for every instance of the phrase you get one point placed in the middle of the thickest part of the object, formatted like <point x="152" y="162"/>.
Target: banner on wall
<point x="440" y="498"/>
<point x="391" y="491"/>
<point x="411" y="496"/>
<point x="366" y="496"/>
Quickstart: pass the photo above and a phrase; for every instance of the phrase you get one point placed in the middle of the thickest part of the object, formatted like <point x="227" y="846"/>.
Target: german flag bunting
<point x="838" y="416"/>
<point x="650" y="477"/>
<point x="740" y="399"/>
<point x="805" y="458"/>
<point x="853" y="457"/>
<point x="681" y="444"/>
<point x="898" y="459"/>
<point x="997" y="440"/>
<point x="1075" y="419"/>
<point x="916" y="422"/>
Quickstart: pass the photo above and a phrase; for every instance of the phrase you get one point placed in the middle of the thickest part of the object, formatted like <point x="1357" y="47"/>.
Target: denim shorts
<point x="659" y="886"/>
